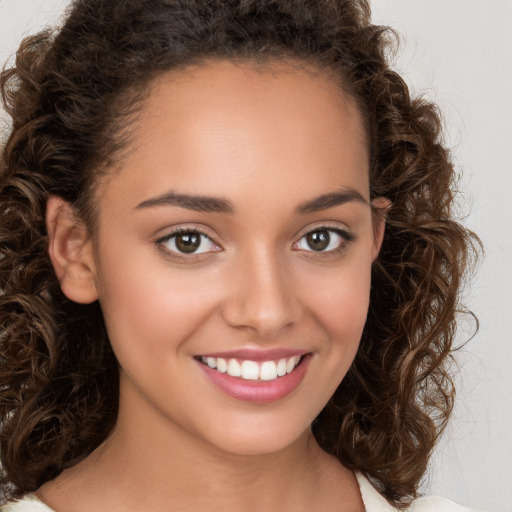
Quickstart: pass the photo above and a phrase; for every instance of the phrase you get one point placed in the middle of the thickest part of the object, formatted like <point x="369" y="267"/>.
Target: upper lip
<point x="257" y="354"/>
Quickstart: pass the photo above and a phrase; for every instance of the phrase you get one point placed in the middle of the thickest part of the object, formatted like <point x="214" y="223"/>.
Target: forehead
<point x="222" y="127"/>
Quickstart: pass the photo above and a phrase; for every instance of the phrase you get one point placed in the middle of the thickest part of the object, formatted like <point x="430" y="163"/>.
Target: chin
<point x="258" y="437"/>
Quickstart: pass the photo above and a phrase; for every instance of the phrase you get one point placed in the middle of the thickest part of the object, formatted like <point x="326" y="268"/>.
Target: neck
<point x="156" y="463"/>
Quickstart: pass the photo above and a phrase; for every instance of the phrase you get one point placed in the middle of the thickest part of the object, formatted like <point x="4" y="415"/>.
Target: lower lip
<point x="258" y="391"/>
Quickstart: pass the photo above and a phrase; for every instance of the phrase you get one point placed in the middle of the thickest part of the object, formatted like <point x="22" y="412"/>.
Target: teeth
<point x="281" y="367"/>
<point x="251" y="370"/>
<point x="222" y="365"/>
<point x="292" y="363"/>
<point x="234" y="368"/>
<point x="268" y="371"/>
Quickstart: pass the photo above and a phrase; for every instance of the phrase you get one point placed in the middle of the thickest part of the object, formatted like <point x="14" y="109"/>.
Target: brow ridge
<point x="330" y="200"/>
<point x="197" y="203"/>
<point x="209" y="204"/>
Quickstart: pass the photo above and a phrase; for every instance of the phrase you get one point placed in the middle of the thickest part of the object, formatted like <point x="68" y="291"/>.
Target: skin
<point x="267" y="141"/>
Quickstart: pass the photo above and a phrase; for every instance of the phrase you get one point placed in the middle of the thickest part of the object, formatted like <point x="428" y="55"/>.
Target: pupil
<point x="318" y="240"/>
<point x="188" y="242"/>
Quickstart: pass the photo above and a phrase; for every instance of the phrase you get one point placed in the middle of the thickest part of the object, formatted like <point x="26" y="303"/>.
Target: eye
<point x="188" y="241"/>
<point x="323" y="240"/>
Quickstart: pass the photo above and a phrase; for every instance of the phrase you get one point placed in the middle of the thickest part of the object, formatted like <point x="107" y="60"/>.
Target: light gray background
<point x="458" y="53"/>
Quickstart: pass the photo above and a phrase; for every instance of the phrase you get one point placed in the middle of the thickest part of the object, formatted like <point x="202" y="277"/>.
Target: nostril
<point x="262" y="315"/>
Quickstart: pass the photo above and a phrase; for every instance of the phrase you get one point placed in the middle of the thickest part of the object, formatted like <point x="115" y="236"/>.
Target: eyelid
<point x="327" y="226"/>
<point x="181" y="256"/>
<point x="344" y="233"/>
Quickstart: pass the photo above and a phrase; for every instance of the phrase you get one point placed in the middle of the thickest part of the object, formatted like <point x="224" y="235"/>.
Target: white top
<point x="373" y="502"/>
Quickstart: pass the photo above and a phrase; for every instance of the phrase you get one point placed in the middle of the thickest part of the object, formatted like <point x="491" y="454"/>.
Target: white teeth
<point x="222" y="365"/>
<point x="251" y="370"/>
<point x="234" y="368"/>
<point x="268" y="370"/>
<point x="292" y="363"/>
<point x="281" y="367"/>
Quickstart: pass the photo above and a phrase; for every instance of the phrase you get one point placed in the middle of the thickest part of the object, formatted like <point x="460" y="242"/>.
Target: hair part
<point x="73" y="96"/>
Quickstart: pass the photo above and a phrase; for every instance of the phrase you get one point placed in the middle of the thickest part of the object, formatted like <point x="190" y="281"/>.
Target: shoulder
<point x="375" y="502"/>
<point x="27" y="504"/>
<point x="431" y="503"/>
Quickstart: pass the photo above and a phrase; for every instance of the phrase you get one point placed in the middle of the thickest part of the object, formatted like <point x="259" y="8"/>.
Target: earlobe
<point x="70" y="250"/>
<point x="380" y="207"/>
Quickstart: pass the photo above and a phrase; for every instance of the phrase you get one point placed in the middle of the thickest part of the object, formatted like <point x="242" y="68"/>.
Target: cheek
<point x="149" y="306"/>
<point x="341" y="301"/>
<point x="338" y="302"/>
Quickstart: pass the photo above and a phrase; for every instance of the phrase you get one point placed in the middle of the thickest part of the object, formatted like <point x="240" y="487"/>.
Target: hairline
<point x="129" y="104"/>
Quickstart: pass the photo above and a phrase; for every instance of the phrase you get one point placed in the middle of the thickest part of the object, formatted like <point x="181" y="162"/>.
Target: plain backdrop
<point x="458" y="53"/>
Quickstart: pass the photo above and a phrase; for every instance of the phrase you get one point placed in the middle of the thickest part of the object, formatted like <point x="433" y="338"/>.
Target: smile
<point x="260" y="376"/>
<point x="253" y="370"/>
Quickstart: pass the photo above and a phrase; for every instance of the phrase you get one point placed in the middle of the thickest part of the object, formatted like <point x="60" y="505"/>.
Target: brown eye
<point x="324" y="240"/>
<point x="318" y="240"/>
<point x="188" y="242"/>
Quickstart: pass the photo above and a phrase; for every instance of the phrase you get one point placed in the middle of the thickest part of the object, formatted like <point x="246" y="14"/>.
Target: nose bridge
<point x="262" y="295"/>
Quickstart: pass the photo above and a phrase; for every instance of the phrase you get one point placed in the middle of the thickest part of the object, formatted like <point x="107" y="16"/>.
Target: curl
<point x="72" y="95"/>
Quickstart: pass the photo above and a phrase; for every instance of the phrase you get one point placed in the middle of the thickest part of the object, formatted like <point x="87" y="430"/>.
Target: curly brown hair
<point x="72" y="94"/>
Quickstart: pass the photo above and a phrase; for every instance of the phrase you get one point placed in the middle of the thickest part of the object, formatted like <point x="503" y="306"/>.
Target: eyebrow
<point x="190" y="202"/>
<point x="331" y="200"/>
<point x="209" y="204"/>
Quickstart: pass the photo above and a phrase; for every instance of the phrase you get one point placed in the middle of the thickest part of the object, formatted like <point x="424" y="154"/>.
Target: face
<point x="232" y="253"/>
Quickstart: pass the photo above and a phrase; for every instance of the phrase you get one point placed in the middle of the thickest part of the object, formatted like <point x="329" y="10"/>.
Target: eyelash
<point x="345" y="239"/>
<point x="182" y="256"/>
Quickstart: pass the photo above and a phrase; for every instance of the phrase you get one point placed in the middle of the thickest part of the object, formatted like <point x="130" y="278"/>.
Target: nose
<point x="262" y="298"/>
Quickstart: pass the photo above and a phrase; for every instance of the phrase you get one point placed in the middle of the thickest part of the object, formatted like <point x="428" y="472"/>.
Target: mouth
<point x="253" y="370"/>
<point x="260" y="377"/>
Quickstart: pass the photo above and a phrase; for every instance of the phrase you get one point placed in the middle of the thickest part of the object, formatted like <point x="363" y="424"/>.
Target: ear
<point x="380" y="207"/>
<point x="70" y="250"/>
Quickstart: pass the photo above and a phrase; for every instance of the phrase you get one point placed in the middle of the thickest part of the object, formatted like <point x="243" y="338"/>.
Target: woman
<point x="230" y="271"/>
